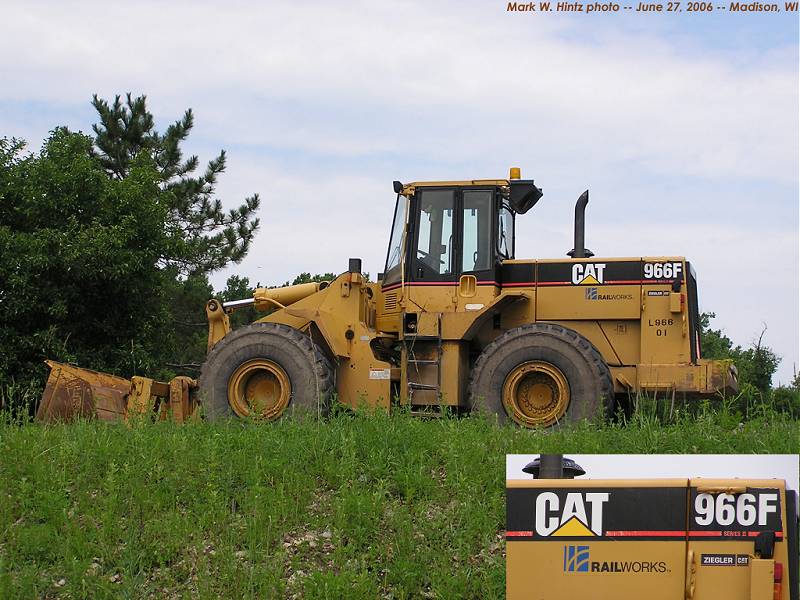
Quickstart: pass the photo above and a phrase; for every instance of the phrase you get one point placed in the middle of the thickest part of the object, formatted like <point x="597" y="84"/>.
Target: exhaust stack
<point x="554" y="466"/>
<point x="579" y="250"/>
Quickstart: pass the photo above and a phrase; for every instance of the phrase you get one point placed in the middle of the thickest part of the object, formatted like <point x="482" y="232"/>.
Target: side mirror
<point x="524" y="194"/>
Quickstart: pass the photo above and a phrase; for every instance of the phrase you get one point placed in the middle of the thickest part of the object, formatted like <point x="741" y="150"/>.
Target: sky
<point x="655" y="466"/>
<point x="683" y="126"/>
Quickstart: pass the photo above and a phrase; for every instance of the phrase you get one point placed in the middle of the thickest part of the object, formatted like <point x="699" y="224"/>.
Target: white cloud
<point x="472" y="67"/>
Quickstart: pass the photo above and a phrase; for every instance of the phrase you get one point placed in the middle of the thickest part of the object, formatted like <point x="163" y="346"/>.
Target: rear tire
<point x="540" y="375"/>
<point x="265" y="371"/>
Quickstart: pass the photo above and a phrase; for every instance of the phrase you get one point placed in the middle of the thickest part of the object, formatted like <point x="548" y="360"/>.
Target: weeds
<point x="363" y="505"/>
<point x="17" y="402"/>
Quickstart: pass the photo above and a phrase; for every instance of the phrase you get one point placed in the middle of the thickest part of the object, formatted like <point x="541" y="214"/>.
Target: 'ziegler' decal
<point x="724" y="560"/>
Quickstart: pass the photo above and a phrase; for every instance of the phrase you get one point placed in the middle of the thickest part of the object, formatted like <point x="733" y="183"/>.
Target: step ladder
<point x="414" y="343"/>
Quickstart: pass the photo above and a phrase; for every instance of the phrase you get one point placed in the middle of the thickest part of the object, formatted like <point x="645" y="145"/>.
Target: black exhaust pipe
<point x="580" y="250"/>
<point x="554" y="466"/>
<point x="551" y="467"/>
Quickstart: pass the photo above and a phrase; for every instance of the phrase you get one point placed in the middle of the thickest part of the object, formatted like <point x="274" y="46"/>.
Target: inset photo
<point x="671" y="527"/>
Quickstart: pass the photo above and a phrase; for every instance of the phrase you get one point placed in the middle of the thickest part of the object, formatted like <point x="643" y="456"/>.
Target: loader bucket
<point x="73" y="393"/>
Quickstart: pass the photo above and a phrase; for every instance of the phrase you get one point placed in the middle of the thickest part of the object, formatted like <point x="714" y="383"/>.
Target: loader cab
<point x="443" y="231"/>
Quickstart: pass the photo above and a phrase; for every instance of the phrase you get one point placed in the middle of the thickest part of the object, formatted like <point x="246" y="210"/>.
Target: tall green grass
<point x="18" y="401"/>
<point x="359" y="506"/>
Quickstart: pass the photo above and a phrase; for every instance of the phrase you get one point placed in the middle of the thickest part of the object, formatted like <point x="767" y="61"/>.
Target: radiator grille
<point x="390" y="301"/>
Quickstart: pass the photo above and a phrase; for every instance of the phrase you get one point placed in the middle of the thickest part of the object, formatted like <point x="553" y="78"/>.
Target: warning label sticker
<point x="380" y="373"/>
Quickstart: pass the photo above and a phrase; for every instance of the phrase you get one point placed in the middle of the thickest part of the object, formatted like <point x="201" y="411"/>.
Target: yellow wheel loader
<point x="659" y="539"/>
<point x="455" y="321"/>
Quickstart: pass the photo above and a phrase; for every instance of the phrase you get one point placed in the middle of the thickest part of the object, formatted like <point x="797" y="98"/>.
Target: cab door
<point x="432" y="255"/>
<point x="478" y="259"/>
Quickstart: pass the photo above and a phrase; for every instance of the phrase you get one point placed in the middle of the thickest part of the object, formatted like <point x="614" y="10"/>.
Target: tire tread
<point x="321" y="367"/>
<point x="516" y="337"/>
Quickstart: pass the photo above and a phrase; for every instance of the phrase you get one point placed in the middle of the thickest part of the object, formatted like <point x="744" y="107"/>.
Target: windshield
<point x="505" y="234"/>
<point x="393" y="270"/>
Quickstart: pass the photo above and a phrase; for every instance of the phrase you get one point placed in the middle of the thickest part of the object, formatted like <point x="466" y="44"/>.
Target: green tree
<point x="78" y="276"/>
<point x="309" y="278"/>
<point x="106" y="246"/>
<point x="203" y="236"/>
<point x="756" y="365"/>
<point x="185" y="332"/>
<point x="786" y="398"/>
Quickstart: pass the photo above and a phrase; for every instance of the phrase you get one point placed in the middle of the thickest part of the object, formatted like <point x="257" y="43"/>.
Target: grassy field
<point x="355" y="507"/>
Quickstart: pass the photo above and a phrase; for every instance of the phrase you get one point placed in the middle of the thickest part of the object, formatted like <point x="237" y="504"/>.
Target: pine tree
<point x="204" y="236"/>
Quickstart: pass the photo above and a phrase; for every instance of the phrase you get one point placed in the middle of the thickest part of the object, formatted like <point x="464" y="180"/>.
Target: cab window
<point x="392" y="272"/>
<point x="434" y="251"/>
<point x="505" y="233"/>
<point x="477" y="246"/>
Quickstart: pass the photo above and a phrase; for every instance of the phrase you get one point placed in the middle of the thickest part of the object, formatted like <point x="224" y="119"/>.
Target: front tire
<point x="540" y="375"/>
<point x="265" y="371"/>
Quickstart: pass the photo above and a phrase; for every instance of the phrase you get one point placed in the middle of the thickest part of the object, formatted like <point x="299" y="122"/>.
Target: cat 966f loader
<point x="660" y="539"/>
<point x="455" y="320"/>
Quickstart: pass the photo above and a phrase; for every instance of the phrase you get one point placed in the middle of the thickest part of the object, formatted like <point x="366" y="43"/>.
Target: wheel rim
<point x="536" y="393"/>
<point x="259" y="388"/>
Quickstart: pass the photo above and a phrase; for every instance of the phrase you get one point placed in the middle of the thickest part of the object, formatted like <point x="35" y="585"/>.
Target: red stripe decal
<point x="518" y="283"/>
<point x="534" y="284"/>
<point x="680" y="534"/>
<point x="441" y="283"/>
<point x="674" y="534"/>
